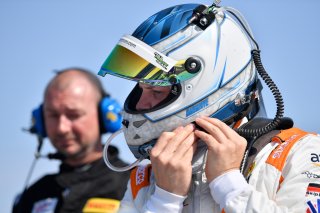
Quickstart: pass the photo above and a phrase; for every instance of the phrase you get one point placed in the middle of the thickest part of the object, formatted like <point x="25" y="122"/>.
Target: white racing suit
<point x="284" y="177"/>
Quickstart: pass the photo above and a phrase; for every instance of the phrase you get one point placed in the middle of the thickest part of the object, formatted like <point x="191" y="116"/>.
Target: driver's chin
<point x="73" y="152"/>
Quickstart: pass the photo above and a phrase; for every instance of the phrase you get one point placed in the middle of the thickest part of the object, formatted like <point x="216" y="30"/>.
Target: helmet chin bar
<point x="106" y="160"/>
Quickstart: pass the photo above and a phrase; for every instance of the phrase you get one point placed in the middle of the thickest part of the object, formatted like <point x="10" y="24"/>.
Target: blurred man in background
<point x="75" y="113"/>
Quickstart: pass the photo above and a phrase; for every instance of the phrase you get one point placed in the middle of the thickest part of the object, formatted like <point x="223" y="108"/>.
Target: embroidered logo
<point x="160" y="61"/>
<point x="310" y="174"/>
<point x="315" y="158"/>
<point x="313" y="208"/>
<point x="139" y="179"/>
<point x="45" y="206"/>
<point x="196" y="108"/>
<point x="140" y="175"/>
<point x="281" y="147"/>
<point x="313" y="189"/>
<point x="101" y="205"/>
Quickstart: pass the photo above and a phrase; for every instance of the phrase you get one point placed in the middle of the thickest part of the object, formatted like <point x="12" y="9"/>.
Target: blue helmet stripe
<point x="155" y="19"/>
<point x="166" y="27"/>
<point x="164" y="24"/>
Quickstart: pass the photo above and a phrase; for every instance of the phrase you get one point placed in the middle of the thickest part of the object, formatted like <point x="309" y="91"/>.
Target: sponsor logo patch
<point x="101" y="205"/>
<point x="140" y="175"/>
<point x="129" y="43"/>
<point x="196" y="108"/>
<point x="139" y="178"/>
<point x="160" y="61"/>
<point x="45" y="206"/>
<point x="286" y="140"/>
<point x="313" y="189"/>
<point x="281" y="147"/>
<point x="310" y="174"/>
<point x="315" y="158"/>
<point x="313" y="207"/>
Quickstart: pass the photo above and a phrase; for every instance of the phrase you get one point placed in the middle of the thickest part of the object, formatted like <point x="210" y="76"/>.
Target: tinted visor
<point x="134" y="60"/>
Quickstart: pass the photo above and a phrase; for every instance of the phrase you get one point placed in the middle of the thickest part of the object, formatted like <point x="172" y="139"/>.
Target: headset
<point x="109" y="117"/>
<point x="109" y="110"/>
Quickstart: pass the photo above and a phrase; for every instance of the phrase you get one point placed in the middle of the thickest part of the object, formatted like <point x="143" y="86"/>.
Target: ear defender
<point x="110" y="117"/>
<point x="38" y="126"/>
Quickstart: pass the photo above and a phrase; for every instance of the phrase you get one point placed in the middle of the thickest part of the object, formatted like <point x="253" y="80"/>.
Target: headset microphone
<point x="52" y="156"/>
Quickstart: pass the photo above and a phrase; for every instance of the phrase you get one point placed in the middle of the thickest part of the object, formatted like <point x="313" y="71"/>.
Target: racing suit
<point x="88" y="188"/>
<point x="284" y="176"/>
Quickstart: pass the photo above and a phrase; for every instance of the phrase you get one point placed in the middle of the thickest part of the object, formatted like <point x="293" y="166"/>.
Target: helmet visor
<point x="134" y="60"/>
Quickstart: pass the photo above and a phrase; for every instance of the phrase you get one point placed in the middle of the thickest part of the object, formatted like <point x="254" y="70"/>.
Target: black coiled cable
<point x="278" y="98"/>
<point x="251" y="133"/>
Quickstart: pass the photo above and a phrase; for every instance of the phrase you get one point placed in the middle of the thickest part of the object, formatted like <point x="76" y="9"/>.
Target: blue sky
<point x="39" y="36"/>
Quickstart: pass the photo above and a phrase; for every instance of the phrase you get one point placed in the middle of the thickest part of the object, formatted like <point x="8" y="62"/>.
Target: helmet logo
<point x="199" y="106"/>
<point x="129" y="43"/>
<point x="160" y="61"/>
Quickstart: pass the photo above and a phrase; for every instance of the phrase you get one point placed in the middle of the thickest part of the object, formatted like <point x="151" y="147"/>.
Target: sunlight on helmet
<point x="220" y="78"/>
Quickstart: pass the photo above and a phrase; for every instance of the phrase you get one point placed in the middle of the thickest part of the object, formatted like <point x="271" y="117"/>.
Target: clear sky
<point x="39" y="36"/>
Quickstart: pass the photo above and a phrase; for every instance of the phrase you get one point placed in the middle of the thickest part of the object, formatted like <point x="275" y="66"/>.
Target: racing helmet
<point x="203" y="53"/>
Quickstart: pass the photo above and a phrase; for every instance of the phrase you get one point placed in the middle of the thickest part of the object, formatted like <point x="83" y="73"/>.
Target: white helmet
<point x="205" y="53"/>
